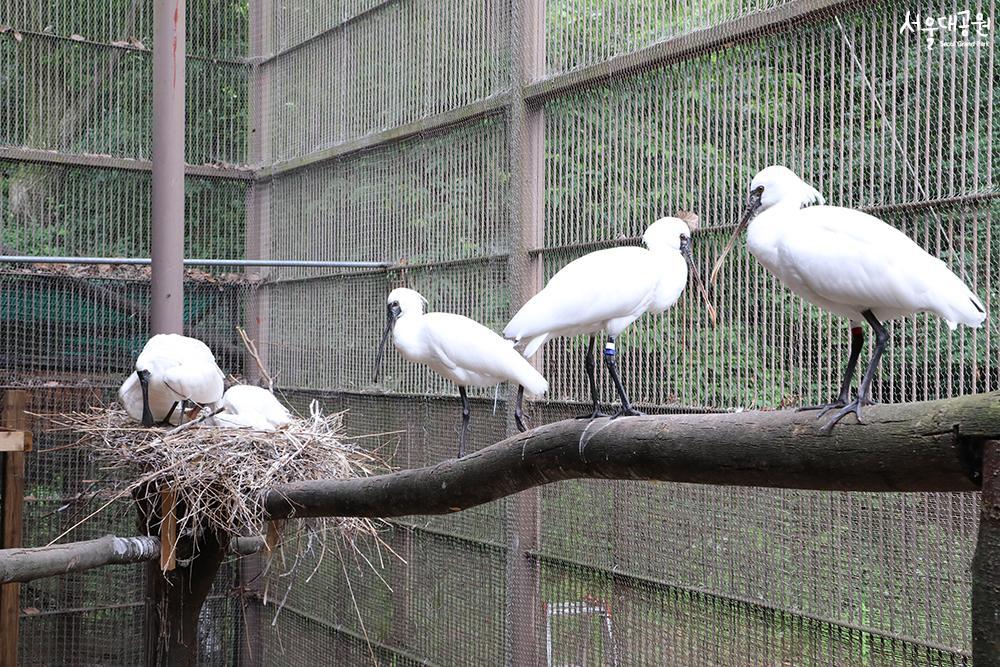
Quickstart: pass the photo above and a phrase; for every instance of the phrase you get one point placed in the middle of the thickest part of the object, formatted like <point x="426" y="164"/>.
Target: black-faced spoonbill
<point x="170" y="371"/>
<point x="457" y="348"/>
<point x="606" y="291"/>
<point x="247" y="406"/>
<point x="850" y="264"/>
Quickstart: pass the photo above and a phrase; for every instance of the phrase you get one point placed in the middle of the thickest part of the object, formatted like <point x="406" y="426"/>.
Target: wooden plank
<point x="15" y="417"/>
<point x="15" y="441"/>
<point x="168" y="530"/>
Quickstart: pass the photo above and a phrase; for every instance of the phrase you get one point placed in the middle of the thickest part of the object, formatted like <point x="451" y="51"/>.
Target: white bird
<point x="607" y="290"/>
<point x="247" y="406"/>
<point x="850" y="264"/>
<point x="170" y="371"/>
<point x="457" y="348"/>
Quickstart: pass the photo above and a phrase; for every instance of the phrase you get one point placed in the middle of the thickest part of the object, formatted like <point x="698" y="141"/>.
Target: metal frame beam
<point x="39" y="156"/>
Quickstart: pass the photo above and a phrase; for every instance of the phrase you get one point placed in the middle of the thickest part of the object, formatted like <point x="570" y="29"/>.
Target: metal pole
<point x="239" y="263"/>
<point x="168" y="166"/>
<point x="525" y="128"/>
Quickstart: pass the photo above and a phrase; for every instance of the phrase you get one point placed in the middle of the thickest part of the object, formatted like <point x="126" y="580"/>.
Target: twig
<point x="252" y="349"/>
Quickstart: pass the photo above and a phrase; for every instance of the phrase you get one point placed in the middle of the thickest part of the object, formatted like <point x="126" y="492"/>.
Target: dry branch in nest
<point x="219" y="476"/>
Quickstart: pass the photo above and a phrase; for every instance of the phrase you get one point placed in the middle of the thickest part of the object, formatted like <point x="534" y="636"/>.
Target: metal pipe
<point x="296" y="263"/>
<point x="167" y="281"/>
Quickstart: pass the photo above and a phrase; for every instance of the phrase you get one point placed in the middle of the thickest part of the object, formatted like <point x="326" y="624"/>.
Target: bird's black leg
<point x="864" y="391"/>
<point x="518" y="410"/>
<point x="166" y="420"/>
<point x="590" y="367"/>
<point x="857" y="342"/>
<point x="610" y="360"/>
<point x="466" y="413"/>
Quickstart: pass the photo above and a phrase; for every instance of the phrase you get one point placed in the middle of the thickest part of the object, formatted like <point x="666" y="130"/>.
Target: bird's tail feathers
<point x="533" y="382"/>
<point x="533" y="344"/>
<point x="961" y="305"/>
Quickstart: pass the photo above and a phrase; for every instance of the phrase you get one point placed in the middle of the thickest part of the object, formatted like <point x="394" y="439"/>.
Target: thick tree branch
<point x="29" y="564"/>
<point x="929" y="446"/>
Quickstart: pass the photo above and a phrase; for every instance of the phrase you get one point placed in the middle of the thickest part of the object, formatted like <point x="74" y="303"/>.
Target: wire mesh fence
<point x="387" y="131"/>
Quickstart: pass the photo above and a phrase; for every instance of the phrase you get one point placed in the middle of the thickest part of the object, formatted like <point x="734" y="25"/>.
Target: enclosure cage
<point x="475" y="147"/>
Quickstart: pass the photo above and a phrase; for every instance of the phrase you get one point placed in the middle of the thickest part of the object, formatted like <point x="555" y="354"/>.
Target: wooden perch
<point x="28" y="564"/>
<point x="929" y="446"/>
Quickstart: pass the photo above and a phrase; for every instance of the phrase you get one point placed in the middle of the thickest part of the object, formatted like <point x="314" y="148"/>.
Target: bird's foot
<point x="854" y="406"/>
<point x="628" y="411"/>
<point x="520" y="419"/>
<point x="593" y="414"/>
<point x="823" y="407"/>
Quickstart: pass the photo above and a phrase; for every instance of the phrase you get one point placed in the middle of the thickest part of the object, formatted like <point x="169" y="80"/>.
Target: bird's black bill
<point x="748" y="214"/>
<point x="390" y="321"/>
<point x="147" y="414"/>
<point x="699" y="285"/>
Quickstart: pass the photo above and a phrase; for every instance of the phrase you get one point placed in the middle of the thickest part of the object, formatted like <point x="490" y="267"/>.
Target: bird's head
<point x="674" y="233"/>
<point x="772" y="185"/>
<point x="401" y="301"/>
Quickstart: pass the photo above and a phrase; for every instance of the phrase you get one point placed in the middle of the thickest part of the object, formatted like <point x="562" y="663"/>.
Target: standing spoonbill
<point x="457" y="348"/>
<point x="850" y="264"/>
<point x="170" y="371"/>
<point x="607" y="290"/>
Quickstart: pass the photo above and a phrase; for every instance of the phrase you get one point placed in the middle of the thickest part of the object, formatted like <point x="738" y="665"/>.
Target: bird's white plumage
<point x="246" y="406"/>
<point x="606" y="290"/>
<point x="847" y="261"/>
<point x="458" y="348"/>
<point x="180" y="368"/>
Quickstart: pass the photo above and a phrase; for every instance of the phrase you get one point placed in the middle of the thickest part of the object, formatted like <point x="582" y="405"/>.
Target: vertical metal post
<point x="168" y="166"/>
<point x="986" y="564"/>
<point x="525" y="140"/>
<point x="258" y="204"/>
<point x="15" y="417"/>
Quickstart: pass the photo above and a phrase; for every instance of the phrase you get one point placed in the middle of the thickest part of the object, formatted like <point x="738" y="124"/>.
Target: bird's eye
<point x="394" y="304"/>
<point x="759" y="190"/>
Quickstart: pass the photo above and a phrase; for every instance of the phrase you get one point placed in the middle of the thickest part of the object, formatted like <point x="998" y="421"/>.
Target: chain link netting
<point x="646" y="108"/>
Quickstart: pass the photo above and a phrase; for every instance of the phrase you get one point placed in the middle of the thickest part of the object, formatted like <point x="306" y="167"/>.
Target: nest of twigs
<point x="219" y="476"/>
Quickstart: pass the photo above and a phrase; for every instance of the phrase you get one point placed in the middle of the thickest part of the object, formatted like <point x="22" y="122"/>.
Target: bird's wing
<point x="196" y="381"/>
<point x="849" y="257"/>
<point x="597" y="287"/>
<point x="466" y="344"/>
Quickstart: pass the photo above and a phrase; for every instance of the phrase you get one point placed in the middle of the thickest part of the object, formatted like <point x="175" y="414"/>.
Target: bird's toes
<point x="628" y="412"/>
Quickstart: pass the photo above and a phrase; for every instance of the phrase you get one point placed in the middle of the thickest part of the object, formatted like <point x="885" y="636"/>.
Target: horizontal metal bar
<point x="886" y="209"/>
<point x="744" y="28"/>
<point x="365" y="13"/>
<point x="436" y="122"/>
<point x="678" y="48"/>
<point x="300" y="263"/>
<point x="240" y="62"/>
<point x="357" y="636"/>
<point x="742" y="600"/>
<point x="39" y="156"/>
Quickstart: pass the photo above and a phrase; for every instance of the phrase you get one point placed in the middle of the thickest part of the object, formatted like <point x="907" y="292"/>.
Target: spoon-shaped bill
<point x="390" y="321"/>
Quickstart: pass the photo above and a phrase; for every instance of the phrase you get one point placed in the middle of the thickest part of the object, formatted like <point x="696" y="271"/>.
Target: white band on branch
<point x="24" y="565"/>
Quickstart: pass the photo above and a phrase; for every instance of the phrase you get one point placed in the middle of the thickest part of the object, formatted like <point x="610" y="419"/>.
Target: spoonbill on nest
<point x="457" y="348"/>
<point x="850" y="264"/>
<point x="247" y="406"/>
<point x="170" y="371"/>
<point x="607" y="290"/>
